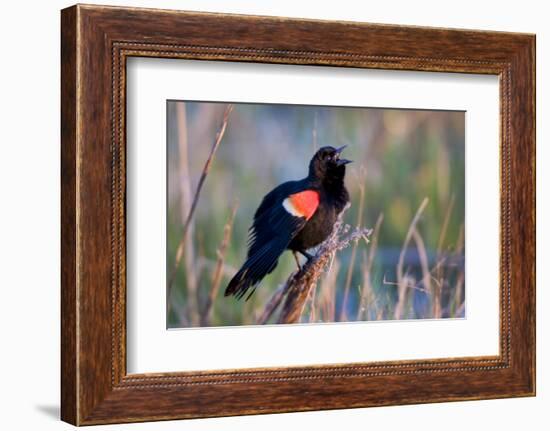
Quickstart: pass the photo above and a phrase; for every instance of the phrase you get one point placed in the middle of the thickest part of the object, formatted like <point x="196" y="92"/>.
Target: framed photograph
<point x="266" y="215"/>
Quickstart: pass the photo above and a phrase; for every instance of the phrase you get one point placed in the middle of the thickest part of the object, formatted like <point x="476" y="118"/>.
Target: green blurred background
<point x="400" y="158"/>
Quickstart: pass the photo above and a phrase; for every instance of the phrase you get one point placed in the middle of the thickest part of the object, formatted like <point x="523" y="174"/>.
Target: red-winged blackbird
<point x="296" y="215"/>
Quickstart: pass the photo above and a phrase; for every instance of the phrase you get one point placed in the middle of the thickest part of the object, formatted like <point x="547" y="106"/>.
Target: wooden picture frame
<point x="95" y="43"/>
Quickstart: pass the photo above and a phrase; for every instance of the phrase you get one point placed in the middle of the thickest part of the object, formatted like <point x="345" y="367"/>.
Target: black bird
<point x="296" y="215"/>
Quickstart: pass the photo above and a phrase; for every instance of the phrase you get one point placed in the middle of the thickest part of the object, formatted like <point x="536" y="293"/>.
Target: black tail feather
<point x="256" y="267"/>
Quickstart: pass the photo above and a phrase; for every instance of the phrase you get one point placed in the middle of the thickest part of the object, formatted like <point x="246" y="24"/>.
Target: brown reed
<point x="204" y="173"/>
<point x="206" y="314"/>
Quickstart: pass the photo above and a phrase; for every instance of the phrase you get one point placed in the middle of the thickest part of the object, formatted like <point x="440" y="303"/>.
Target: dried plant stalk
<point x="435" y="290"/>
<point x="205" y="170"/>
<point x="366" y="294"/>
<point x="403" y="282"/>
<point x="312" y="308"/>
<point x="300" y="283"/>
<point x="343" y="310"/>
<point x="445" y="225"/>
<point x="190" y="311"/>
<point x="367" y="284"/>
<point x="408" y="237"/>
<point x="402" y="290"/>
<point x="328" y="290"/>
<point x="206" y="314"/>
<point x="458" y="301"/>
<point x="459" y="287"/>
<point x="272" y="304"/>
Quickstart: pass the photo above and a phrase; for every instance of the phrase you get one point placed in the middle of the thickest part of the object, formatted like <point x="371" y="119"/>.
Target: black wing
<point x="271" y="232"/>
<point x="271" y="219"/>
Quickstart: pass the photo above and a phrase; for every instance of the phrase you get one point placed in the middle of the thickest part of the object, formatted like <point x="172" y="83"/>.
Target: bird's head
<point x="326" y="164"/>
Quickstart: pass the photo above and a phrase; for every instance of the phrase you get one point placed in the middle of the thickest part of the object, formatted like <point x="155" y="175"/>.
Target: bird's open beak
<point x="339" y="150"/>
<point x="342" y="162"/>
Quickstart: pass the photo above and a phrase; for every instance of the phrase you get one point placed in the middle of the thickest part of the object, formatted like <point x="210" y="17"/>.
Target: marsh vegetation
<point x="407" y="187"/>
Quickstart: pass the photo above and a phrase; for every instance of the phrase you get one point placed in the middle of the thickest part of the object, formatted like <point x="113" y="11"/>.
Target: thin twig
<point x="186" y="196"/>
<point x="459" y="286"/>
<point x="410" y="284"/>
<point x="188" y="312"/>
<point x="206" y="315"/>
<point x="439" y="272"/>
<point x="458" y="294"/>
<point x="408" y="237"/>
<point x="459" y="247"/>
<point x="367" y="285"/>
<point x="445" y="226"/>
<point x="460" y="310"/>
<point x="273" y="304"/>
<point x="328" y="288"/>
<point x="312" y="308"/>
<point x="351" y="266"/>
<point x="205" y="170"/>
<point x="435" y="292"/>
<point x="365" y="290"/>
<point x="403" y="281"/>
<point x="415" y="286"/>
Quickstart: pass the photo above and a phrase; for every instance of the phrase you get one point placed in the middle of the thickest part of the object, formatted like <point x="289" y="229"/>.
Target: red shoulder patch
<point x="302" y="204"/>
